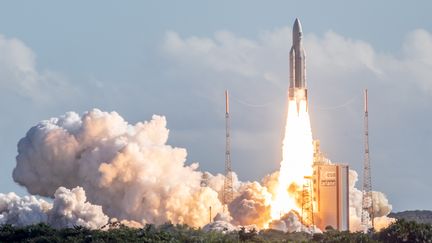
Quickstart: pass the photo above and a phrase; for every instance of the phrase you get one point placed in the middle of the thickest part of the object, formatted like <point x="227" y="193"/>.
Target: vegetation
<point x="420" y="216"/>
<point x="401" y="231"/>
<point x="406" y="231"/>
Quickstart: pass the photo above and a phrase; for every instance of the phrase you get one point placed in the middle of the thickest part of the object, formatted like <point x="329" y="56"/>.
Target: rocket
<point x="297" y="87"/>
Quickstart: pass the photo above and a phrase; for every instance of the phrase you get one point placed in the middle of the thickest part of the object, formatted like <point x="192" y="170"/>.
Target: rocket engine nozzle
<point x="298" y="95"/>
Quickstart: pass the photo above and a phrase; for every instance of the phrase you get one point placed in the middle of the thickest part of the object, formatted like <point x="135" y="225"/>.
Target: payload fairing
<point x="297" y="88"/>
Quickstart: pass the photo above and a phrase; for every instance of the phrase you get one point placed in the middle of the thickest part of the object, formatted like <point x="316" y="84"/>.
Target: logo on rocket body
<point x="297" y="88"/>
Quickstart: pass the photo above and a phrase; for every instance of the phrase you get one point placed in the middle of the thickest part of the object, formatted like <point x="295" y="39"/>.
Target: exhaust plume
<point x="297" y="159"/>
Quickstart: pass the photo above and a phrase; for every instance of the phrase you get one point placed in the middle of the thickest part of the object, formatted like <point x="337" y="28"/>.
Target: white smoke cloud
<point x="220" y="225"/>
<point x="221" y="222"/>
<point x="127" y="169"/>
<point x="136" y="178"/>
<point x="251" y="206"/>
<point x="355" y="203"/>
<point x="68" y="209"/>
<point x="216" y="182"/>
<point x="291" y="223"/>
<point x="270" y="181"/>
<point x="22" y="211"/>
<point x="380" y="202"/>
<point x="130" y="171"/>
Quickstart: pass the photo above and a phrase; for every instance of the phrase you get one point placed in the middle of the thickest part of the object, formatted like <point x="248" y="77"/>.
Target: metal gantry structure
<point x="228" y="190"/>
<point x="307" y="202"/>
<point x="367" y="216"/>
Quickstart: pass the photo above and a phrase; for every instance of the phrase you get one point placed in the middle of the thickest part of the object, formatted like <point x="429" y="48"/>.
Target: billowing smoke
<point x="22" y="211"/>
<point x="381" y="206"/>
<point x="290" y="222"/>
<point x="221" y="223"/>
<point x="127" y="169"/>
<point x="136" y="178"/>
<point x="69" y="208"/>
<point x="251" y="206"/>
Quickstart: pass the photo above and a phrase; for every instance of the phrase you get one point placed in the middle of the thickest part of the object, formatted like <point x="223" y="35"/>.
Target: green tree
<point x="406" y="231"/>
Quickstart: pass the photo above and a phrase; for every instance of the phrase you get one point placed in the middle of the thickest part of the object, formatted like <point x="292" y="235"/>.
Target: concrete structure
<point x="331" y="192"/>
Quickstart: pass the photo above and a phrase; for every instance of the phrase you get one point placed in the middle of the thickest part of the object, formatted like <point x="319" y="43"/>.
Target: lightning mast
<point x="367" y="217"/>
<point x="228" y="182"/>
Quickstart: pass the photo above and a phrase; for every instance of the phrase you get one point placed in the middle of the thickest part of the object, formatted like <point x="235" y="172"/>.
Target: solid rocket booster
<point x="297" y="88"/>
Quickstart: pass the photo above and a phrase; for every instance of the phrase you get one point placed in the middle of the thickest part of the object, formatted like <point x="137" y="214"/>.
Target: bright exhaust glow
<point x="297" y="159"/>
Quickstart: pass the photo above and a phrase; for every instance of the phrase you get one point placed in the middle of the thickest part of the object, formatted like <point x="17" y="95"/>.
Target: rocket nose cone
<point x="297" y="32"/>
<point x="297" y="26"/>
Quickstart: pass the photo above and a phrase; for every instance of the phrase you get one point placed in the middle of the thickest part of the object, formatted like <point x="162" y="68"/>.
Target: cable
<point x="343" y="105"/>
<point x="339" y="106"/>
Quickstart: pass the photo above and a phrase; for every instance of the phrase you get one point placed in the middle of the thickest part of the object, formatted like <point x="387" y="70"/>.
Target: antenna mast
<point x="228" y="182"/>
<point x="367" y="217"/>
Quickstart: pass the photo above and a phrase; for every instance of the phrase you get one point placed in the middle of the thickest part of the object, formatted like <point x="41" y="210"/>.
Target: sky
<point x="175" y="59"/>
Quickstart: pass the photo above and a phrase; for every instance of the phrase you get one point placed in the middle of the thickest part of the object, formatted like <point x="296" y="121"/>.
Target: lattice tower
<point x="228" y="182"/>
<point x="307" y="202"/>
<point x="367" y="217"/>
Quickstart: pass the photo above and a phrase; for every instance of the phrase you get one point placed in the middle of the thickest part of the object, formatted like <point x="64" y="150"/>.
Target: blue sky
<point x="175" y="59"/>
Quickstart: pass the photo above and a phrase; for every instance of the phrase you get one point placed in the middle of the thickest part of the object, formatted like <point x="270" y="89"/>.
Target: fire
<point x="296" y="161"/>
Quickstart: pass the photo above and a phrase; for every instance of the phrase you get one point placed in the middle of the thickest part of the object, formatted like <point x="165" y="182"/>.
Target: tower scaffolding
<point x="228" y="182"/>
<point x="307" y="202"/>
<point x="367" y="216"/>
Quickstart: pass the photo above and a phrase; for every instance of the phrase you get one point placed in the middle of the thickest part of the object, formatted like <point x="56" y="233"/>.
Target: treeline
<point x="420" y="216"/>
<point x="400" y="231"/>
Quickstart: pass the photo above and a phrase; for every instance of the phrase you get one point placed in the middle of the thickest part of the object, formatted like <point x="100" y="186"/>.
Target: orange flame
<point x="296" y="161"/>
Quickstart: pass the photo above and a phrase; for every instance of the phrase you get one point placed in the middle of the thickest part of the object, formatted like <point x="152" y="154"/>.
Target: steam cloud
<point x="128" y="169"/>
<point x="136" y="178"/>
<point x="381" y="206"/>
<point x="68" y="209"/>
<point x="252" y="206"/>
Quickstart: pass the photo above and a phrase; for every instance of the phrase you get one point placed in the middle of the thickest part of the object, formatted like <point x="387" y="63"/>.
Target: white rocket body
<point x="297" y="88"/>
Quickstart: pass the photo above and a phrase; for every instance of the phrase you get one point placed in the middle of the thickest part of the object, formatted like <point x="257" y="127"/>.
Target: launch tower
<point x="367" y="217"/>
<point x="228" y="182"/>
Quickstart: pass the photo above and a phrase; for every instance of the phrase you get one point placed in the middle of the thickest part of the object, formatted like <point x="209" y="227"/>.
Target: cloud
<point x="225" y="53"/>
<point x="19" y="73"/>
<point x="331" y="55"/>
